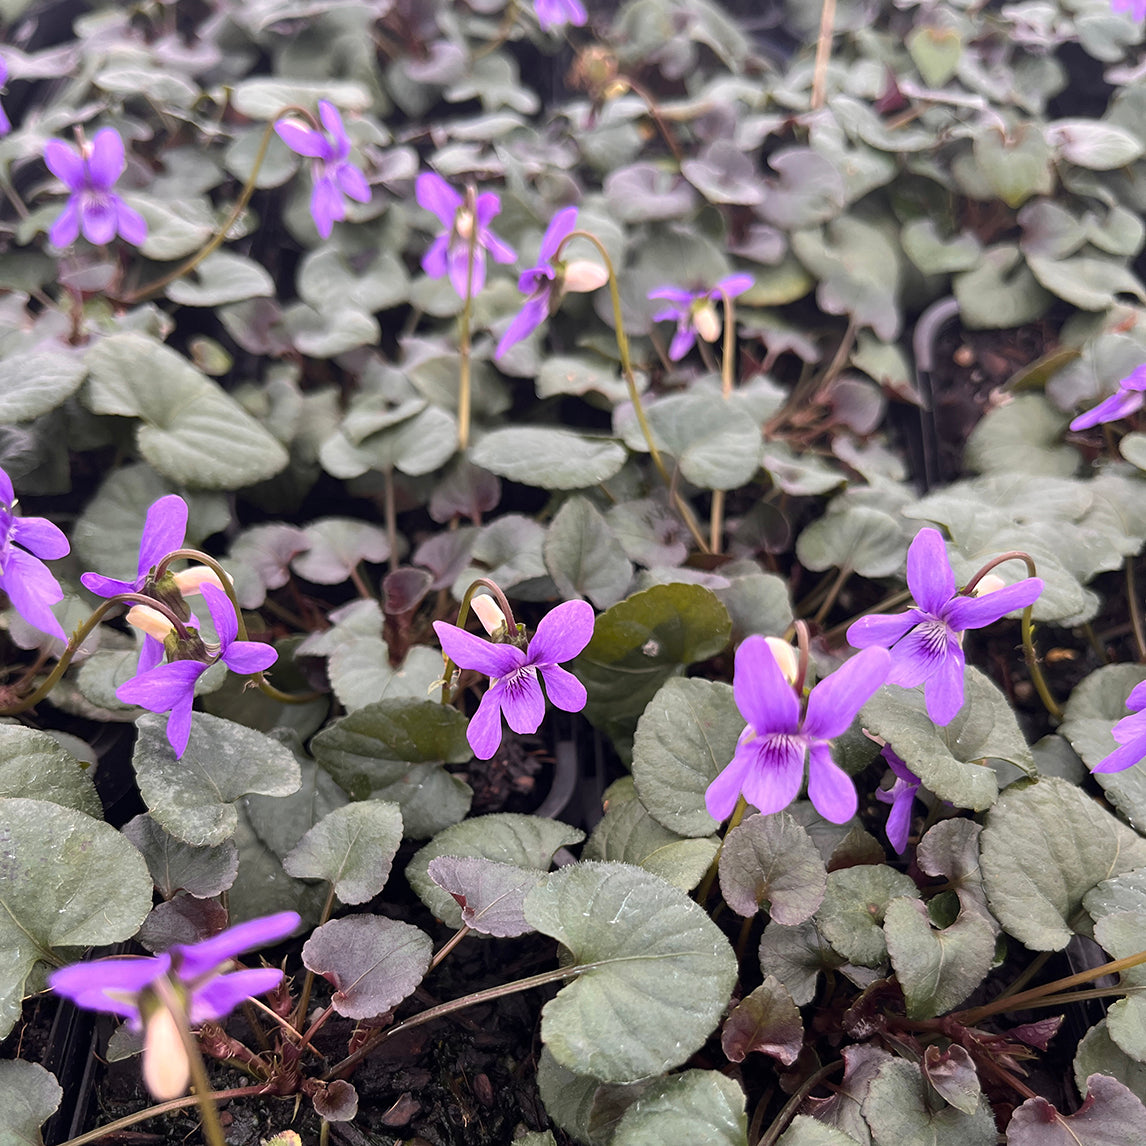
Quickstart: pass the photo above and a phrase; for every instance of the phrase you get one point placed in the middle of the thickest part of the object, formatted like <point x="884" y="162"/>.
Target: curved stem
<point x="308" y="982"/>
<point x="631" y="382"/>
<point x="705" y="888"/>
<point x="161" y="1108"/>
<point x="463" y="614"/>
<point x="772" y="1134"/>
<point x="1135" y="610"/>
<point x="220" y="235"/>
<point x="802" y="641"/>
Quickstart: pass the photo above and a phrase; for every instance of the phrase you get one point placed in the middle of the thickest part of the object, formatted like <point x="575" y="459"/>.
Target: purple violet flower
<point x="1136" y="8"/>
<point x="900" y="796"/>
<point x="93" y="206"/>
<point x="768" y="765"/>
<point x="694" y="311"/>
<point x="31" y="589"/>
<point x="561" y="634"/>
<point x="5" y="122"/>
<point x="538" y="282"/>
<point x="926" y="642"/>
<point x="449" y="252"/>
<point x="1129" y="396"/>
<point x="170" y="687"/>
<point x="1129" y="732"/>
<point x="555" y="14"/>
<point x="334" y="174"/>
<point x="125" y="987"/>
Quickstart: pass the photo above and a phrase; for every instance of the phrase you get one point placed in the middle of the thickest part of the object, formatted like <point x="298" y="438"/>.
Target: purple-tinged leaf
<point x="336" y="1101"/>
<point x="768" y="1021"/>
<point x="404" y="589"/>
<point x="183" y="919"/>
<point x="1037" y="1034"/>
<point x="490" y="894"/>
<point x="772" y="860"/>
<point x="372" y="962"/>
<point x="900" y="1109"/>
<point x="1111" y="1115"/>
<point x="842" y="1110"/>
<point x="260" y="560"/>
<point x="952" y="1073"/>
<point x="337" y="545"/>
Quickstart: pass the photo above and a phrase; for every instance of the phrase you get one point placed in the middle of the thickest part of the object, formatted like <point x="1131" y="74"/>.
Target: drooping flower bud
<point x="706" y="321"/>
<point x="490" y="614"/>
<point x="786" y="658"/>
<point x="166" y="1070"/>
<point x="991" y="583"/>
<point x="583" y="275"/>
<point x="190" y="581"/>
<point x="151" y="621"/>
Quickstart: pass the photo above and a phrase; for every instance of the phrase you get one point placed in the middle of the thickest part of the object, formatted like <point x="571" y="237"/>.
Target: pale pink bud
<point x="165" y="1068"/>
<point x="150" y="620"/>
<point x="191" y="581"/>
<point x="491" y="617"/>
<point x="582" y="275"/>
<point x="707" y="321"/>
<point x="785" y="657"/>
<point x="989" y="584"/>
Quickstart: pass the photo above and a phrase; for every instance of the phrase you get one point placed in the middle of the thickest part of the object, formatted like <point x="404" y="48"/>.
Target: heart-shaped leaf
<point x="695" y="1106"/>
<point x="1110" y="1113"/>
<point x="767" y="1021"/>
<point x="852" y="914"/>
<point x="176" y="866"/>
<point x="548" y="458"/>
<point x="33" y="384"/>
<point x="34" y="766"/>
<point x="491" y="895"/>
<point x="29" y="1096"/>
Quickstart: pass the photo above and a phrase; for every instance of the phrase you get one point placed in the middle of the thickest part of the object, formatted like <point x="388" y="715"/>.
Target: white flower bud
<point x="785" y="656"/>
<point x="582" y="275"/>
<point x="150" y="620"/>
<point x="190" y="581"/>
<point x="165" y="1068"/>
<point x="491" y="617"/>
<point x="707" y="321"/>
<point x="989" y="584"/>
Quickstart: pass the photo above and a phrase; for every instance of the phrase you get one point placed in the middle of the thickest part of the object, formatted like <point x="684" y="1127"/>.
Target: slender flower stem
<point x="829" y="600"/>
<point x="449" y="945"/>
<point x="463" y="614"/>
<point x="464" y="348"/>
<point x="889" y="602"/>
<point x="158" y="1110"/>
<point x="221" y="234"/>
<point x="804" y="644"/>
<point x="1028" y="629"/>
<point x="75" y="643"/>
<point x="209" y="1112"/>
<point x="390" y="514"/>
<point x="1135" y="610"/>
<point x="1025" y="999"/>
<point x="714" y="867"/>
<point x="487" y="996"/>
<point x="823" y="54"/>
<point x="631" y="382"/>
<point x="727" y="363"/>
<point x="308" y="982"/>
<point x="772" y="1134"/>
<point x="202" y="558"/>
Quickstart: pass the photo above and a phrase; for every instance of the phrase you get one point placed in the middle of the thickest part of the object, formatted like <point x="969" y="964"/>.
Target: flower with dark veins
<point x="1126" y="400"/>
<point x="695" y="312"/>
<point x="926" y="642"/>
<point x="514" y="689"/>
<point x="92" y="207"/>
<point x="170" y="687"/>
<point x="25" y="543"/>
<point x="334" y="175"/>
<point x="768" y="764"/>
<point x="464" y="224"/>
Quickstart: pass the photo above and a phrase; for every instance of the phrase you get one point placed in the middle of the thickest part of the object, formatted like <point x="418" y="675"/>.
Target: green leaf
<point x="33" y="384"/>
<point x="767" y="1021"/>
<point x="29" y="1096"/>
<point x="796" y="956"/>
<point x="193" y="797"/>
<point x="686" y="736"/>
<point x="1086" y="281"/>
<point x="506" y="837"/>
<point x="1044" y="847"/>
<point x="220" y="278"/>
<point x="770" y="861"/>
<point x="548" y="458"/>
<point x="572" y="374"/>
<point x="1094" y="144"/>
<point x="584" y="1107"/>
<point x="851" y="916"/>
<point x="176" y="866"/>
<point x="360" y="672"/>
<point x="263" y="98"/>
<point x="949" y="760"/>
<point x="373" y="963"/>
<point x="629" y="834"/>
<point x="1096" y="705"/>
<point x="638" y="644"/>
<point x="1120" y="934"/>
<point x="491" y="895"/>
<point x="1000" y="291"/>
<point x="327" y="333"/>
<point x="192" y="431"/>
<point x="898" y="1110"/>
<point x="937" y="969"/>
<point x="664" y="978"/>
<point x="1016" y="166"/>
<point x="393" y="750"/>
<point x="867" y="541"/>
<point x="583" y="556"/>
<point x="34" y="766"/>
<point x="1098" y="1053"/>
<point x="1133" y="448"/>
<point x="695" y="1106"/>
<point x="1025" y="435"/>
<point x="328" y="281"/>
<point x="68" y="880"/>
<point x="808" y="1131"/>
<point x="351" y="848"/>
